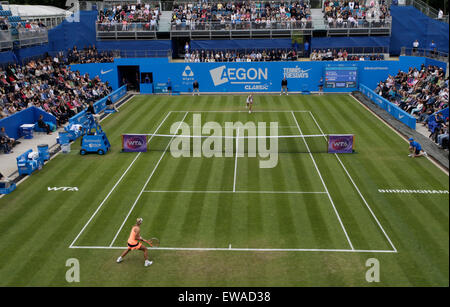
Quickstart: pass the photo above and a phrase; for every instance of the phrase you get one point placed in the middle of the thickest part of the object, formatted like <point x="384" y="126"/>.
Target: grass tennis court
<point x="313" y="220"/>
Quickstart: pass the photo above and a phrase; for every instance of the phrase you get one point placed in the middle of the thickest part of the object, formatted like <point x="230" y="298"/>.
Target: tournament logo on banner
<point x="134" y="143"/>
<point x="340" y="143"/>
<point x="242" y="77"/>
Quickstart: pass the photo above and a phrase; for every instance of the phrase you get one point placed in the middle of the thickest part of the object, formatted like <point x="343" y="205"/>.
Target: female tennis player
<point x="134" y="244"/>
<point x="250" y="103"/>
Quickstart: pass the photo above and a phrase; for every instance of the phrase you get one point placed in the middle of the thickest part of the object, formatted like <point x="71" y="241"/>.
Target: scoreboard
<point x="341" y="77"/>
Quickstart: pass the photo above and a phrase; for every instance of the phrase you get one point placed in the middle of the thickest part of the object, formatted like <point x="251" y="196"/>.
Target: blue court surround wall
<point x="391" y="108"/>
<point x="409" y="24"/>
<point x="28" y="116"/>
<point x="248" y="76"/>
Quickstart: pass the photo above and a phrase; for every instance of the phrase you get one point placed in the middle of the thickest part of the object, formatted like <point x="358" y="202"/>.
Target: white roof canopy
<point x="37" y="11"/>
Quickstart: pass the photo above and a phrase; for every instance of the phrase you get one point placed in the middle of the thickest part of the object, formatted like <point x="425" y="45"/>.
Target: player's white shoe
<point x="148" y="263"/>
<point x="410" y="155"/>
<point x="249" y="111"/>
<point x="425" y="154"/>
<point x="119" y="260"/>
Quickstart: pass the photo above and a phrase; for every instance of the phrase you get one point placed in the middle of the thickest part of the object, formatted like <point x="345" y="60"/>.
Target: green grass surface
<point x="314" y="232"/>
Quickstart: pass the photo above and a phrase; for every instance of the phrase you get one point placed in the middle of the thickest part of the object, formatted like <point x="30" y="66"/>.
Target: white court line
<point x="241" y="192"/>
<point x="117" y="183"/>
<point x="234" y="249"/>
<point x="323" y="183"/>
<point x="357" y="189"/>
<point x="148" y="179"/>
<point x="235" y="160"/>
<point x="239" y="111"/>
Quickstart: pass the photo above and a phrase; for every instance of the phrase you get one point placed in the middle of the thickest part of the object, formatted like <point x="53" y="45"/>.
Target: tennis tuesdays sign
<point x="134" y="143"/>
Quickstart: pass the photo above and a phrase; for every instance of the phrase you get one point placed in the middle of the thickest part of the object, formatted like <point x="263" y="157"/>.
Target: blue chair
<point x="26" y="166"/>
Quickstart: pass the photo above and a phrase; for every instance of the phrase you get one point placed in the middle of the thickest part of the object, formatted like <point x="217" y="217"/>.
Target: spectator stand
<point x="234" y="19"/>
<point x="128" y="20"/>
<point x="243" y="55"/>
<point x="358" y="17"/>
<point x="22" y="32"/>
<point x="350" y="54"/>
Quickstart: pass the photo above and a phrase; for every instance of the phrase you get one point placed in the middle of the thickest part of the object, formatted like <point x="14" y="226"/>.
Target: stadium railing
<point x="140" y="53"/>
<point x="247" y="51"/>
<point x="427" y="53"/>
<point x="130" y="31"/>
<point x="6" y="42"/>
<point x="364" y="27"/>
<point x="424" y="8"/>
<point x="29" y="37"/>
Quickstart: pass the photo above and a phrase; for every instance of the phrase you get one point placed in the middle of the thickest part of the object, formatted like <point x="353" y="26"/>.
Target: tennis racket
<point x="153" y="242"/>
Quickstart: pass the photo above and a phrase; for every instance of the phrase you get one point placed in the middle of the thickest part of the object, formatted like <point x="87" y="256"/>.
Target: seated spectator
<point x="6" y="142"/>
<point x="5" y="146"/>
<point x="442" y="137"/>
<point x="4" y="25"/>
<point x="111" y="105"/>
<point x="43" y="125"/>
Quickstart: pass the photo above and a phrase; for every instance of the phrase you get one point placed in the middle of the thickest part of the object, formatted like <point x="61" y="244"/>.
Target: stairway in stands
<point x="317" y="18"/>
<point x="164" y="21"/>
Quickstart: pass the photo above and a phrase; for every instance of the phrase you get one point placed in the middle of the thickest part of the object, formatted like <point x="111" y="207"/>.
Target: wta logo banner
<point x="134" y="143"/>
<point x="340" y="143"/>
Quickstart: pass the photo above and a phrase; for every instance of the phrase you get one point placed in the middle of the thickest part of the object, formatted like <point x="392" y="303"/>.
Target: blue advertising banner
<point x="394" y="110"/>
<point x="99" y="106"/>
<point x="262" y="77"/>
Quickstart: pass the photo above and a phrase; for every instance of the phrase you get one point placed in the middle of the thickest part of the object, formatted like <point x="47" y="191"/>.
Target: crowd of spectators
<point x="241" y="56"/>
<point x="421" y="92"/>
<point x="50" y="85"/>
<point x="88" y="55"/>
<point x="342" y="55"/>
<point x="241" y="15"/>
<point x="353" y="14"/>
<point x="21" y="25"/>
<point x="130" y="16"/>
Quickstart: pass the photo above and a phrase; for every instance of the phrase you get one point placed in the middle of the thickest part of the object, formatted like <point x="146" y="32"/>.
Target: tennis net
<point x="202" y="145"/>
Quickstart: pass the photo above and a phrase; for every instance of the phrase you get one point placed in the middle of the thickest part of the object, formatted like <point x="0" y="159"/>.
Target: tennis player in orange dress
<point x="135" y="244"/>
